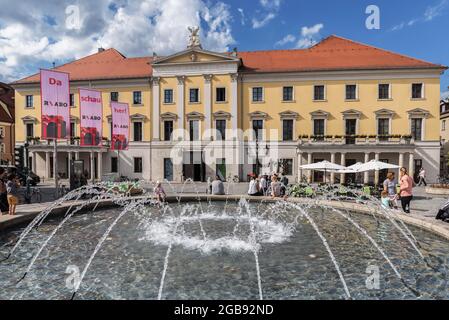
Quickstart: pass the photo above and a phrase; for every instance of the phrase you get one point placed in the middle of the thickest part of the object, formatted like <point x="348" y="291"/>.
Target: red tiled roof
<point x="333" y="53"/>
<point x="107" y="64"/>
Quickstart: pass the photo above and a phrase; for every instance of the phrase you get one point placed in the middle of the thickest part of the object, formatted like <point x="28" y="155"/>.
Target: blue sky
<point x="33" y="39"/>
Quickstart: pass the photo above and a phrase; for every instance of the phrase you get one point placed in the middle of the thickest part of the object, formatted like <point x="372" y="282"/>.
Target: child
<point x="386" y="202"/>
<point x="160" y="192"/>
<point x="12" y="188"/>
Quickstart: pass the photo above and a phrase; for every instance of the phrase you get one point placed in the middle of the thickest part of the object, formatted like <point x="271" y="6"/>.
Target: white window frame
<point x="325" y="92"/>
<point x="423" y="126"/>
<point x="32" y="101"/>
<point x="226" y="95"/>
<point x="132" y="131"/>
<point x="293" y="94"/>
<point x="325" y="124"/>
<point x="356" y="91"/>
<point x="199" y="96"/>
<point x="423" y="91"/>
<point x="199" y="129"/>
<point x="141" y="98"/>
<point x="263" y="94"/>
<point x="173" y="96"/>
<point x="293" y="129"/>
<point x="26" y="124"/>
<point x="390" y="92"/>
<point x="390" y="122"/>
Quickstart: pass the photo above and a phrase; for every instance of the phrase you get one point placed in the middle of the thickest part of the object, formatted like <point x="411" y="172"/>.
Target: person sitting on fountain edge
<point x="217" y="187"/>
<point x="160" y="192"/>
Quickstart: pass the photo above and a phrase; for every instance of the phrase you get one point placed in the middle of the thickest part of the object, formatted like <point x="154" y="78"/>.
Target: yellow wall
<point x="335" y="104"/>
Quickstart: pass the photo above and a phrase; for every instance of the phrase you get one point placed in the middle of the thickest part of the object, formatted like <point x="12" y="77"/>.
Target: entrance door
<point x="194" y="167"/>
<point x="351" y="128"/>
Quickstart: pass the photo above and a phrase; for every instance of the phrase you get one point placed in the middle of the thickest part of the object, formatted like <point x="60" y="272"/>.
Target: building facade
<point x="196" y="113"/>
<point x="7" y="140"/>
<point x="444" y="127"/>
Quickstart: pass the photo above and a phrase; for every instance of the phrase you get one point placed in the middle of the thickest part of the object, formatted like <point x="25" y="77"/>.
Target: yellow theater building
<point x="340" y="101"/>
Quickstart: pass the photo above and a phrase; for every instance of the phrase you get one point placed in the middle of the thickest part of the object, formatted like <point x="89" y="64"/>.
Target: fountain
<point x="231" y="248"/>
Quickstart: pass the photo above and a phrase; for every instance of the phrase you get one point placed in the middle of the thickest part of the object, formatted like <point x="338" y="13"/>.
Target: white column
<point x="309" y="172"/>
<point x="69" y="169"/>
<point x="400" y="164"/>
<point x="411" y="165"/>
<point x="181" y="105"/>
<point x="366" y="174"/>
<point x="343" y="163"/>
<point x="234" y="103"/>
<point x="156" y="108"/>
<point x="47" y="165"/>
<point x="100" y="165"/>
<point x="299" y="167"/>
<point x="34" y="162"/>
<point x="208" y="105"/>
<point x="77" y="155"/>
<point x="92" y="167"/>
<point x="376" y="173"/>
<point x="332" y="173"/>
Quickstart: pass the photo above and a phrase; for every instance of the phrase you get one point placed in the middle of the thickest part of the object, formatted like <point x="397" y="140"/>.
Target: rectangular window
<point x="351" y="92"/>
<point x="443" y="125"/>
<point x="286" y="166"/>
<point x="114" y="165"/>
<point x="383" y="129"/>
<point x="137" y="129"/>
<point x="2" y="132"/>
<point x="384" y="91"/>
<point x="351" y="130"/>
<point x="72" y="129"/>
<point x="287" y="130"/>
<point x="194" y="130"/>
<point x="30" y="130"/>
<point x="168" y="169"/>
<point x="72" y="100"/>
<point x="168" y="96"/>
<point x="194" y="95"/>
<point x="220" y="95"/>
<point x="29" y="101"/>
<point x="417" y="129"/>
<point x="287" y="94"/>
<point x="220" y="126"/>
<point x="318" y="93"/>
<point x="168" y="130"/>
<point x="137" y="97"/>
<point x="257" y="94"/>
<point x="417" y="91"/>
<point x="138" y="165"/>
<point x="114" y="96"/>
<point x="318" y="129"/>
<point x="258" y="129"/>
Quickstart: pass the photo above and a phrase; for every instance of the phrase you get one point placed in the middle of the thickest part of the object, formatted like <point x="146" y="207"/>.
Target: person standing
<point x="263" y="185"/>
<point x="406" y="190"/>
<point x="276" y="187"/>
<point x="160" y="193"/>
<point x="390" y="188"/>
<point x="284" y="185"/>
<point x="12" y="188"/>
<point x="4" y="207"/>
<point x="422" y="178"/>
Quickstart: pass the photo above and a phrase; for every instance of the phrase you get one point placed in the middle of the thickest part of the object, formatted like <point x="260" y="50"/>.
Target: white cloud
<point x="269" y="11"/>
<point x="242" y="16"/>
<point x="309" y="36"/>
<point x="430" y="13"/>
<point x="264" y="21"/>
<point x="287" y="39"/>
<point x="136" y="28"/>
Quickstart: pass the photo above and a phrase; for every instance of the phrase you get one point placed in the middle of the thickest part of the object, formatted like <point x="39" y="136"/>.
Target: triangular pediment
<point x="169" y="116"/>
<point x="385" y="112"/>
<point x="320" y="114"/>
<point x="195" y="55"/>
<point x="29" y="119"/>
<point x="195" y="116"/>
<point x="222" y="115"/>
<point x="258" y="115"/>
<point x="418" y="112"/>
<point x="289" y="114"/>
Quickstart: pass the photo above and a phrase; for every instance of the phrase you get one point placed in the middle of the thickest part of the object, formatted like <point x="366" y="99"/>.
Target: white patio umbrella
<point x="375" y="165"/>
<point x="351" y="169"/>
<point x="323" y="166"/>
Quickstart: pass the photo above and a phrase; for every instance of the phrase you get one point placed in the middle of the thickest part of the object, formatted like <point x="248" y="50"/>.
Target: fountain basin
<point x="212" y="260"/>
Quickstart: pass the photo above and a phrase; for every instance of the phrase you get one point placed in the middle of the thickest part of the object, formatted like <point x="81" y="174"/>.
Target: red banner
<point x="91" y="117"/>
<point x="120" y="126"/>
<point x="55" y="101"/>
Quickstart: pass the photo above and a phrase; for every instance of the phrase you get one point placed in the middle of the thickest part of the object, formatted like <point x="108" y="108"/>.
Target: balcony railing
<point x="357" y="140"/>
<point x="36" y="141"/>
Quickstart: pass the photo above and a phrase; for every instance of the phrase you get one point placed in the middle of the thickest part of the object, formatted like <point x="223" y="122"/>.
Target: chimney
<point x="100" y="50"/>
